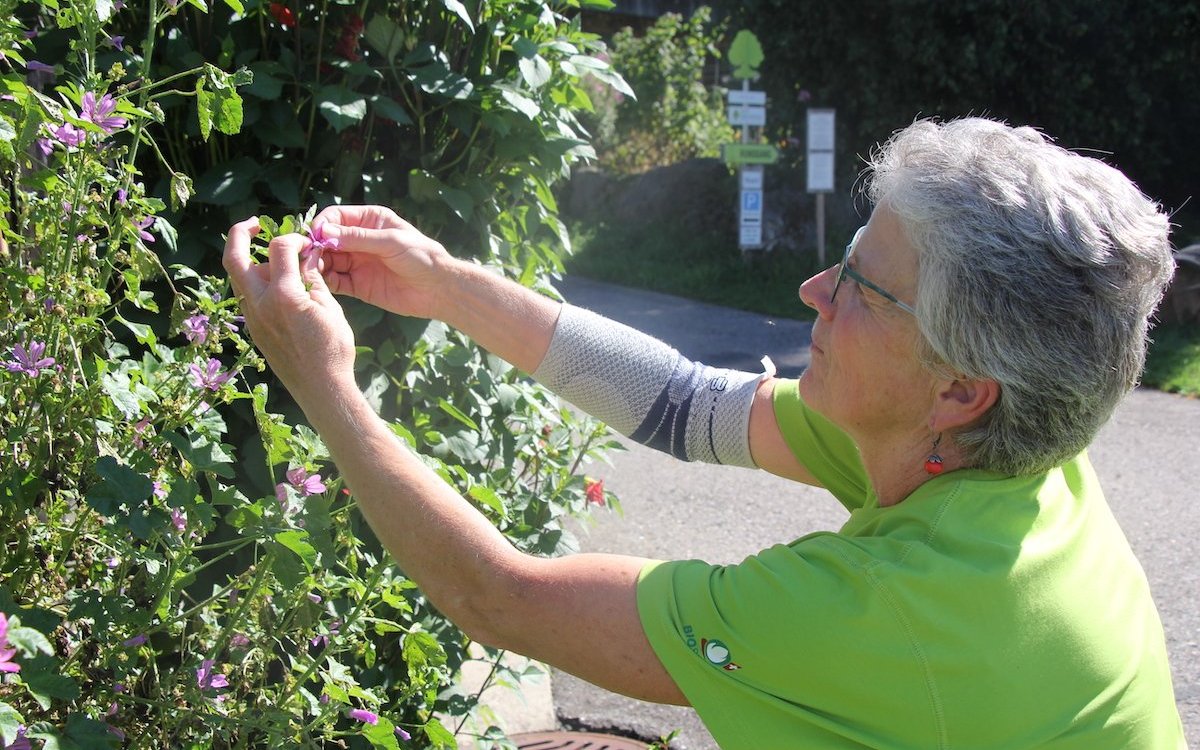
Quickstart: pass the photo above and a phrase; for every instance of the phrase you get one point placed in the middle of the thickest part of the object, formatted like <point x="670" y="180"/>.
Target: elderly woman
<point x="977" y="333"/>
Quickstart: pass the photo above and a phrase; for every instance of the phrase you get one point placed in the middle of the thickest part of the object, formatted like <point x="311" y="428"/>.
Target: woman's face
<point x="864" y="374"/>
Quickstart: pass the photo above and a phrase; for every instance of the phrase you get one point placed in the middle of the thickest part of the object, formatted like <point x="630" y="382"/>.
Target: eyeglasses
<point x="845" y="270"/>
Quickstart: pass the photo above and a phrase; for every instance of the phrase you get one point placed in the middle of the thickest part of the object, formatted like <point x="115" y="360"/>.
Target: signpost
<point x="748" y="109"/>
<point x="820" y="167"/>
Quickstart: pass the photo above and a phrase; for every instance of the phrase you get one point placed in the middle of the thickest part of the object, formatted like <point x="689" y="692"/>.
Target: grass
<point x="1173" y="363"/>
<point x="698" y="265"/>
<point x="707" y="266"/>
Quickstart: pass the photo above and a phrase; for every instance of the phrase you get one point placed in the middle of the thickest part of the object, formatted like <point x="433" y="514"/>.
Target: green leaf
<point x="120" y="486"/>
<point x="455" y="412"/>
<point x="229" y="183"/>
<point x="203" y="454"/>
<point x="421" y="650"/>
<point x="30" y="641"/>
<point x="10" y="722"/>
<point x="459" y="10"/>
<point x="385" y="36"/>
<point x="487" y="496"/>
<point x="89" y="734"/>
<point x="390" y="109"/>
<point x="535" y="70"/>
<point x="297" y="541"/>
<point x="181" y="190"/>
<point x="382" y="734"/>
<point x="204" y="108"/>
<point x="236" y="6"/>
<point x="265" y="84"/>
<point x="341" y="107"/>
<point x="42" y="677"/>
<point x="441" y="737"/>
<point x="520" y="102"/>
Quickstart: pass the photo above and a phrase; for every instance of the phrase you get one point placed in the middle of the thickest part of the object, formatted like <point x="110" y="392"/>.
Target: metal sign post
<point x="748" y="109"/>
<point x="820" y="167"/>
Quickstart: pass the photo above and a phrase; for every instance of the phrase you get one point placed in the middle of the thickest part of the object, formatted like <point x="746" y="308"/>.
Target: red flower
<point x="283" y="15"/>
<point x="594" y="489"/>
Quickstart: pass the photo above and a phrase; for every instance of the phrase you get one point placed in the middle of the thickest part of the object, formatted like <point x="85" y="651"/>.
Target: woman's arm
<point x="555" y="610"/>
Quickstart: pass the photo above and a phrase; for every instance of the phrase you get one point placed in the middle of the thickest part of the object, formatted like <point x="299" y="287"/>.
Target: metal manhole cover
<point x="574" y="741"/>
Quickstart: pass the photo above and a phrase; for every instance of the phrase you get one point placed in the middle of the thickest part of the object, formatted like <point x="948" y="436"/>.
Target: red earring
<point x="933" y="464"/>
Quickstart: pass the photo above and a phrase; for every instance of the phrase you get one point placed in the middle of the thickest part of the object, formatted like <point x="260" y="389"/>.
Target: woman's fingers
<point x="236" y="258"/>
<point x="284" y="253"/>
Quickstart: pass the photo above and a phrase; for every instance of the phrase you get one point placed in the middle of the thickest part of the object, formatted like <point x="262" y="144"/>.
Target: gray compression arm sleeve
<point x="649" y="392"/>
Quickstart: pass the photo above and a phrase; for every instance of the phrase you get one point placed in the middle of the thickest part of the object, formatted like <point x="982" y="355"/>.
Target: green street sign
<point x="749" y="153"/>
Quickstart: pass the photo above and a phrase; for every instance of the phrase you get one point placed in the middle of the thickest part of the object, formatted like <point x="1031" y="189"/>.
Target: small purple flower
<point x="39" y="67"/>
<point x="69" y="135"/>
<point x="239" y="640"/>
<point x="112" y="562"/>
<point x="135" y="641"/>
<point x="314" y="598"/>
<point x="100" y="113"/>
<point x="210" y="376"/>
<point x="318" y="240"/>
<point x="20" y="742"/>
<point x="29" y="361"/>
<point x="122" y="196"/>
<point x="158" y="490"/>
<point x="363" y="715"/>
<point x="207" y="679"/>
<point x="195" y="328"/>
<point x="46" y="146"/>
<point x="403" y="735"/>
<point x="138" y="429"/>
<point x="117" y="41"/>
<point x="306" y="484"/>
<point x="6" y="652"/>
<point x="179" y="520"/>
<point x="143" y="225"/>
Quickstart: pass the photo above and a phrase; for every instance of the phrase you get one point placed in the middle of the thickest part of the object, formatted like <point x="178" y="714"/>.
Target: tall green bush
<point x="179" y="564"/>
<point x="675" y="115"/>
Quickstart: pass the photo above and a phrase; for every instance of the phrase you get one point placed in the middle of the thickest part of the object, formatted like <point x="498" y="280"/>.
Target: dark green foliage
<point x="1109" y="75"/>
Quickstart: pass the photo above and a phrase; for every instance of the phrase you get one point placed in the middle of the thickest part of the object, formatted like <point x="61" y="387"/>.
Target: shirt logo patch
<point x="717" y="654"/>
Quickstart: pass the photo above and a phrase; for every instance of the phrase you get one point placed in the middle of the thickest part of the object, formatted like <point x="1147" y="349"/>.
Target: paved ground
<point x="1148" y="458"/>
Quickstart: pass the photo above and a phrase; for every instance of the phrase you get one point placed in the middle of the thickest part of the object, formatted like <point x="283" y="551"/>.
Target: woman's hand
<point x="383" y="260"/>
<point x="291" y="315"/>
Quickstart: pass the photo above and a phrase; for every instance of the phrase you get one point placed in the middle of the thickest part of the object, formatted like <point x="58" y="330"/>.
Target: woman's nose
<point x="817" y="291"/>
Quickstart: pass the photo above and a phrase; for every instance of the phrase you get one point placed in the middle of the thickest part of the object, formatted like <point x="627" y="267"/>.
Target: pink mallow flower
<point x="29" y="361"/>
<point x="69" y="135"/>
<point x="6" y="651"/>
<point x="100" y="113"/>
<point x="20" y="742"/>
<point x="210" y="376"/>
<point x="318" y="243"/>
<point x="403" y="735"/>
<point x="317" y="239"/>
<point x="195" y="328"/>
<point x="363" y="715"/>
<point x="142" y="226"/>
<point x="207" y="679"/>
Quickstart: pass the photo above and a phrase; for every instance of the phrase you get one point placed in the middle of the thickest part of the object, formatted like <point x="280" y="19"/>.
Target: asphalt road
<point x="1148" y="459"/>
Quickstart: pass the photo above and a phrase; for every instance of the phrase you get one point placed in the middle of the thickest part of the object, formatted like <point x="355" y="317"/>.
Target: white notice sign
<point x="752" y="177"/>
<point x="758" y="98"/>
<point x="820" y="172"/>
<point x="750" y="236"/>
<point x="820" y="129"/>
<point x="742" y="115"/>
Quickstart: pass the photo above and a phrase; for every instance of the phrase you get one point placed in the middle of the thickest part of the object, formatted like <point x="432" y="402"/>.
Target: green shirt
<point x="982" y="612"/>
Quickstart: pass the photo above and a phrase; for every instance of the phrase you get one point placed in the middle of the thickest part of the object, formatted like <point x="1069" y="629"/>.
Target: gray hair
<point x="1038" y="268"/>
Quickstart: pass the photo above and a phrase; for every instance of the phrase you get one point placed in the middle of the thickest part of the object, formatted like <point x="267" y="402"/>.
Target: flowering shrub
<point x="180" y="565"/>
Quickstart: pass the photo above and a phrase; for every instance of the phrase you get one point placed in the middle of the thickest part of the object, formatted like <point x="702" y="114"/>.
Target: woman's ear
<point x="958" y="403"/>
